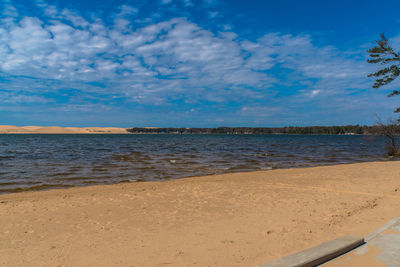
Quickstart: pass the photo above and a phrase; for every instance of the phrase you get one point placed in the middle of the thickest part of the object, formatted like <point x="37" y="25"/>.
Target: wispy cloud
<point x="170" y="62"/>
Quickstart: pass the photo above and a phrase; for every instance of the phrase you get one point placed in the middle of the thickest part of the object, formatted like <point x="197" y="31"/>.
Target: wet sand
<point x="241" y="219"/>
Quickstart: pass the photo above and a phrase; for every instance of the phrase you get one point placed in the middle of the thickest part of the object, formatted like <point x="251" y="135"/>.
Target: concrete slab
<point x="319" y="254"/>
<point x="382" y="248"/>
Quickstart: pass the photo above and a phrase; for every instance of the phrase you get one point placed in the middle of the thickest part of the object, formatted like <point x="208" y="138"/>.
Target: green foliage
<point x="346" y="129"/>
<point x="386" y="56"/>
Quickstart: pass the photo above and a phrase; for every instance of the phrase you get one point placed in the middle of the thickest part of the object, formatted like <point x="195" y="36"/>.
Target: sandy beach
<point x="10" y="129"/>
<point x="241" y="219"/>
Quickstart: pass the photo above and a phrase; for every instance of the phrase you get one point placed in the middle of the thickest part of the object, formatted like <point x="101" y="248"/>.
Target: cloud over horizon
<point x="170" y="64"/>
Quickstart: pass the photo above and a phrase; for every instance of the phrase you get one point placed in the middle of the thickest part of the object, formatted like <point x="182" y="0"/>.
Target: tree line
<point x="342" y="130"/>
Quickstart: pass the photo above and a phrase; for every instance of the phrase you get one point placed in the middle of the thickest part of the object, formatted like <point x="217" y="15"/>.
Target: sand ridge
<point x="241" y="219"/>
<point x="10" y="129"/>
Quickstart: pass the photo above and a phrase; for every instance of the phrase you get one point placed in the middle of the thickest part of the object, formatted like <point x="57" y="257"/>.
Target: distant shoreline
<point x="309" y="130"/>
<point x="316" y="130"/>
<point x="128" y="133"/>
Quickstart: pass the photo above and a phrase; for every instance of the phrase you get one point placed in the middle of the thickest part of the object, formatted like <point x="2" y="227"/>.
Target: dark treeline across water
<point x="40" y="161"/>
<point x="347" y="129"/>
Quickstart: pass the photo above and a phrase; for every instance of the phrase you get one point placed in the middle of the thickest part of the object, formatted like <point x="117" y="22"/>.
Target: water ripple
<point x="38" y="162"/>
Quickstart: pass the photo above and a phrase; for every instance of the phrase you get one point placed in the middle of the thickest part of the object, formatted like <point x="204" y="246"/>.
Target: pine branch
<point x="395" y="92"/>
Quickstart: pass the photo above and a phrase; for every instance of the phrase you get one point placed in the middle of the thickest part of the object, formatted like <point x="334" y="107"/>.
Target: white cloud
<point x="173" y="59"/>
<point x="188" y="3"/>
<point x="211" y="2"/>
<point x="213" y="14"/>
<point x="313" y="93"/>
<point x="18" y="98"/>
<point x="126" y="10"/>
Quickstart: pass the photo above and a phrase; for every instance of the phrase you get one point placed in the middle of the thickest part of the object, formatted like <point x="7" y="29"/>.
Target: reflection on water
<point x="35" y="162"/>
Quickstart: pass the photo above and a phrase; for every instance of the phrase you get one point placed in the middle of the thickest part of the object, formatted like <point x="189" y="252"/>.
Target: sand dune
<point x="241" y="219"/>
<point x="13" y="129"/>
<point x="31" y="128"/>
<point x="9" y="129"/>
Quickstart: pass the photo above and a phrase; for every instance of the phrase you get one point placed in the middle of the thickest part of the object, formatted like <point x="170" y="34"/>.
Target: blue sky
<point x="192" y="63"/>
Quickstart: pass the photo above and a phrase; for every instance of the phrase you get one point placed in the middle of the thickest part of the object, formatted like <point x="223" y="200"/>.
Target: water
<point x="36" y="162"/>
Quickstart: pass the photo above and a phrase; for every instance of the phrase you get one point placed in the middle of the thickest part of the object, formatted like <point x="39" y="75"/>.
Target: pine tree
<point x="386" y="56"/>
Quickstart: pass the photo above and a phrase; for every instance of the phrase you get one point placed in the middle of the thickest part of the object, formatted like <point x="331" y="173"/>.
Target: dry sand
<point x="241" y="219"/>
<point x="10" y="129"/>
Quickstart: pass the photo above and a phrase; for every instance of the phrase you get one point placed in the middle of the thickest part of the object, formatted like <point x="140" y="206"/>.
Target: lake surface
<point x="36" y="162"/>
